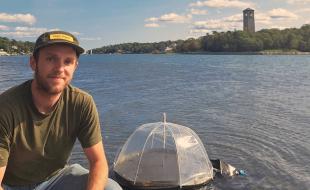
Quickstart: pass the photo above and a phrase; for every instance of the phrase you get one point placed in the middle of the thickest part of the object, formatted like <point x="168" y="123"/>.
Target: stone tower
<point x="248" y="20"/>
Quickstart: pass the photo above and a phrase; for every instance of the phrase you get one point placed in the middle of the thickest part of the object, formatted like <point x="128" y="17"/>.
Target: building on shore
<point x="3" y="53"/>
<point x="248" y="20"/>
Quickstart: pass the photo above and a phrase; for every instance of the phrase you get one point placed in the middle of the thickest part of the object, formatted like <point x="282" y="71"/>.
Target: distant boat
<point x="88" y="52"/>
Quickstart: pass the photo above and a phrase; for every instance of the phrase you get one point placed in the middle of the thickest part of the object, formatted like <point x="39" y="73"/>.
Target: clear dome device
<point x="162" y="155"/>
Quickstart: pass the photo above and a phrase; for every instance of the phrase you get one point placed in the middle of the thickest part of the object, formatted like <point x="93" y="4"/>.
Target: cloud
<point x="304" y="10"/>
<point x="72" y="32"/>
<point x="198" y="12"/>
<point x="280" y="13"/>
<point x="234" y="18"/>
<point x="29" y="32"/>
<point x="175" y="18"/>
<point x="262" y="18"/>
<point x="2" y="27"/>
<point x="20" y="18"/>
<point x="200" y="31"/>
<point x="167" y="18"/>
<point x="303" y="2"/>
<point x="208" y="25"/>
<point x="170" y="17"/>
<point x="224" y="24"/>
<point x="152" y="19"/>
<point x="90" y="38"/>
<point x="280" y="27"/>
<point x="25" y="32"/>
<point x="223" y="4"/>
<point x="151" y="25"/>
<point x="275" y="18"/>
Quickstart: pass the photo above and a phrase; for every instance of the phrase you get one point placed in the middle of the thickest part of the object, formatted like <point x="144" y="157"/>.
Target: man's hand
<point x="98" y="170"/>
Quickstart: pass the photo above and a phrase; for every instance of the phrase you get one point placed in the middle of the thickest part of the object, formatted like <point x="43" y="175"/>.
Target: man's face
<point x="54" y="68"/>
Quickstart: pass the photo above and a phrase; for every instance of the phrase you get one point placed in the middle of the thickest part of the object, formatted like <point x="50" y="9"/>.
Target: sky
<point x="98" y="23"/>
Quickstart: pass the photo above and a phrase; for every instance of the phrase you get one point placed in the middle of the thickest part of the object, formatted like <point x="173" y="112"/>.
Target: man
<point x="41" y="119"/>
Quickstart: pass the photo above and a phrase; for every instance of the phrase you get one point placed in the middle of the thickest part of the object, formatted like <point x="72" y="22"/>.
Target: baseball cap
<point x="58" y="37"/>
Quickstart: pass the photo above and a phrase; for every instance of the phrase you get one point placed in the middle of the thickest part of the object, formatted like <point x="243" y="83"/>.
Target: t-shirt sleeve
<point x="4" y="140"/>
<point x="89" y="132"/>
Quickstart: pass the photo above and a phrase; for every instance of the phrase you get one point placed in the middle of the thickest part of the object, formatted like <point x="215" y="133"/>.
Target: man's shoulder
<point x="78" y="99"/>
<point x="14" y="93"/>
<point x="75" y="91"/>
<point x="78" y="96"/>
<point x="12" y="98"/>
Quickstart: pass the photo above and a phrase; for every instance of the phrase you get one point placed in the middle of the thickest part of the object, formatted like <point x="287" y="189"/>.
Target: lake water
<point x="251" y="111"/>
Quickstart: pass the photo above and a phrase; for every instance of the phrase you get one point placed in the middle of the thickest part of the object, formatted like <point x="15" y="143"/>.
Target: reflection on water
<point x="251" y="111"/>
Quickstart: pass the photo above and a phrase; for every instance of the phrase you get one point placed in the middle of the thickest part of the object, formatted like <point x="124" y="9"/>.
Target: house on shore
<point x="3" y="53"/>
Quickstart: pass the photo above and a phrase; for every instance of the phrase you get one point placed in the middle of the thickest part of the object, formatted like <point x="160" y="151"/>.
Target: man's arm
<point x="2" y="170"/>
<point x="98" y="170"/>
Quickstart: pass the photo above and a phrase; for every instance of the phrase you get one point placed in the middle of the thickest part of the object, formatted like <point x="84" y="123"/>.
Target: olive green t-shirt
<point x="34" y="147"/>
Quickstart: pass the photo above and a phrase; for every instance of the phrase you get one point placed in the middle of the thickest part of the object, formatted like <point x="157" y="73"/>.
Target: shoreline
<point x="250" y="53"/>
<point x="200" y="53"/>
<point x="274" y="52"/>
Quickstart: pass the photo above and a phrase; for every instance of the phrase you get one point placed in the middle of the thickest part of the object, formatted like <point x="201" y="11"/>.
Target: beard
<point x="48" y="88"/>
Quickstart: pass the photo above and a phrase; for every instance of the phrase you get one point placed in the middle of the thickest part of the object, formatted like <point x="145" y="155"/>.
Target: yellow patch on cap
<point x="61" y="37"/>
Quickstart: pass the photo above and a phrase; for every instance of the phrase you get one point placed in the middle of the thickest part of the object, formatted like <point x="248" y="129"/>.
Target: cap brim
<point x="79" y="50"/>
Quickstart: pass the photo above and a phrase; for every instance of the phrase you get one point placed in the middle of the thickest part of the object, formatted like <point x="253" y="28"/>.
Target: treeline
<point x="16" y="47"/>
<point x="135" y="47"/>
<point x="231" y="41"/>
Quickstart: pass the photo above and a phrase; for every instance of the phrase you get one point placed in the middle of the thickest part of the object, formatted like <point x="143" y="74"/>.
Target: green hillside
<point x="291" y="39"/>
<point x="15" y="47"/>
